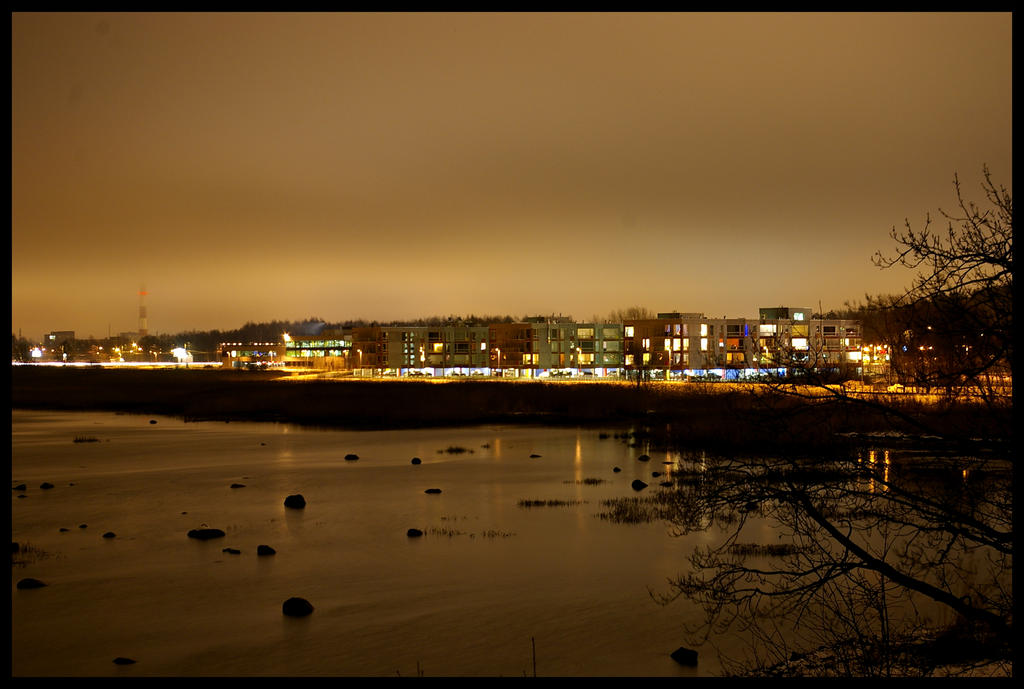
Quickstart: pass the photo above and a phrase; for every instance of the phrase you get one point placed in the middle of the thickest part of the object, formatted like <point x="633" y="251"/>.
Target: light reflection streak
<point x="577" y="464"/>
<point x="873" y="460"/>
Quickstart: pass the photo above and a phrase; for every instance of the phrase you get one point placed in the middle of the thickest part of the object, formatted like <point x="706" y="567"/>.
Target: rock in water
<point x="296" y="501"/>
<point x="110" y="534"/>
<point x="296" y="607"/>
<point x="30" y="583"/>
<point x="265" y="550"/>
<point x="46" y="485"/>
<point x="638" y="484"/>
<point x="684" y="656"/>
<point x="205" y="534"/>
<point x="644" y="458"/>
<point x="432" y="490"/>
<point x="123" y="661"/>
<point x="416" y="460"/>
<point x="351" y="457"/>
<point x="413" y="533"/>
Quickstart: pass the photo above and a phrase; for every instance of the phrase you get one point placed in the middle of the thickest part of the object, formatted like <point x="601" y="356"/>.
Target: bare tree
<point x="961" y="299"/>
<point x="632" y="313"/>
<point x="949" y="334"/>
<point x="868" y="553"/>
<point x="882" y="563"/>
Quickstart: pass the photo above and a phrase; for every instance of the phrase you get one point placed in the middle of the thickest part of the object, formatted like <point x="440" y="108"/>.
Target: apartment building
<point x="515" y="348"/>
<point x="368" y="351"/>
<point x="672" y="346"/>
<point x="677" y="345"/>
<point x="600" y="349"/>
<point x="448" y="350"/>
<point x="793" y="336"/>
<point x="553" y="347"/>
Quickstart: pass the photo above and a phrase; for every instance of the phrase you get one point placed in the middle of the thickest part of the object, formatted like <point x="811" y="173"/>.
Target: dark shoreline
<point x="708" y="416"/>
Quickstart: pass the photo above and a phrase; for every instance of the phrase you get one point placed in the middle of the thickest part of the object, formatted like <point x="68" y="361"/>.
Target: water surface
<point x="488" y="582"/>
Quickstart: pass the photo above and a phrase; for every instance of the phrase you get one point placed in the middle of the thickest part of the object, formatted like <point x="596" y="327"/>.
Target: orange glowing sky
<point x="252" y="167"/>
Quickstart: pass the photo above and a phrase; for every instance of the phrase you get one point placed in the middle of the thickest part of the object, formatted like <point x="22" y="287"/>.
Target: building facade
<point x="672" y="346"/>
<point x="435" y="350"/>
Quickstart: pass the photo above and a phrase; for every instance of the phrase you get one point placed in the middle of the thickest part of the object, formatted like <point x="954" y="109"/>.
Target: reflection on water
<point x="876" y="469"/>
<point x="465" y="599"/>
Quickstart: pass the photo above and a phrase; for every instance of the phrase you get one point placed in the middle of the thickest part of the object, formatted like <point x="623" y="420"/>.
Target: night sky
<point x="252" y="167"/>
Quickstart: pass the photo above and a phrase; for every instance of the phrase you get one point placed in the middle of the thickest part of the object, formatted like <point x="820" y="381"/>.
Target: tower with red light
<point x="143" y="326"/>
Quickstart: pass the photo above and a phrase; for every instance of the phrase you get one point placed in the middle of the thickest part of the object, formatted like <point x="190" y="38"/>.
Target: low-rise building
<point x="453" y="349"/>
<point x="672" y="346"/>
<point x="249" y="355"/>
<point x="329" y="350"/>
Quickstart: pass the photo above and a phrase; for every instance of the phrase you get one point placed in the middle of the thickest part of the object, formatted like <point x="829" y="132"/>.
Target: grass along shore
<point x="715" y="416"/>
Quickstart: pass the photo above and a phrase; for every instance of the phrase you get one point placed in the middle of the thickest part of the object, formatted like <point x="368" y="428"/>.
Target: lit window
<point x="629" y="360"/>
<point x="628" y="331"/>
<point x="647" y="357"/>
<point x="675" y="343"/>
<point x="799" y="343"/>
<point x="703" y="331"/>
<point x="854" y="356"/>
<point x="703" y="344"/>
<point x="647" y="343"/>
<point x="798" y="315"/>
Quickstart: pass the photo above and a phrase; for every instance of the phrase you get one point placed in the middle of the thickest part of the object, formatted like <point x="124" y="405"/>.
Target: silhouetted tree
<point x="950" y="332"/>
<point x="962" y="296"/>
<point x="20" y="349"/>
<point x="859" y="543"/>
<point x="637" y="313"/>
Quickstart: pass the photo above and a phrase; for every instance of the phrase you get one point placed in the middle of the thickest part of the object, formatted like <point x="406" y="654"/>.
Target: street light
<point x="579" y="364"/>
<point x="498" y="358"/>
<point x="360" y="361"/>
